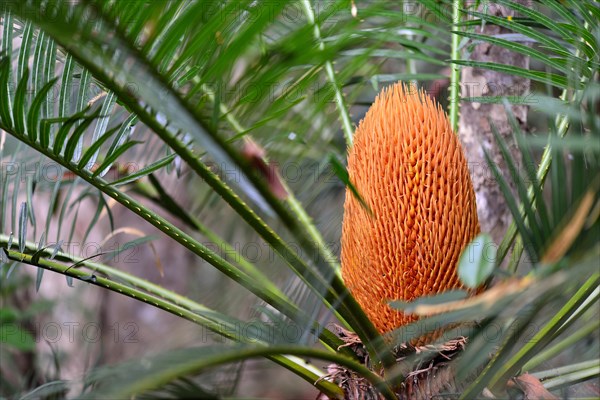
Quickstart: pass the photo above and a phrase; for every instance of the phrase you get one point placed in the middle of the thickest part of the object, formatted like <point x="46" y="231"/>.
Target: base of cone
<point x="426" y="370"/>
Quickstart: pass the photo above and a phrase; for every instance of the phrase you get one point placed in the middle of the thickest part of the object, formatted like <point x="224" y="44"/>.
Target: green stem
<point x="373" y="345"/>
<point x="169" y="204"/>
<point x="214" y="321"/>
<point x="362" y="326"/>
<point x="571" y="378"/>
<point x="159" y="299"/>
<point x="411" y="63"/>
<point x="558" y="371"/>
<point x="291" y="199"/>
<point x="139" y="283"/>
<point x="331" y="75"/>
<point x="454" y="105"/>
<point x="92" y="52"/>
<point x="282" y="304"/>
<point x="203" y="361"/>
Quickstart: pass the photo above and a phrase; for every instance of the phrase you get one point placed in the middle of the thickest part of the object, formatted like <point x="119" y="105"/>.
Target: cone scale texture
<point x="409" y="168"/>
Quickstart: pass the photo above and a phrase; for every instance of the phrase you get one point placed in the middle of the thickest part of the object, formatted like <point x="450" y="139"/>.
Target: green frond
<point x="219" y="99"/>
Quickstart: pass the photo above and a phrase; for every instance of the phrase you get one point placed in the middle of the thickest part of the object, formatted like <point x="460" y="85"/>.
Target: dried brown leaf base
<point x="427" y="370"/>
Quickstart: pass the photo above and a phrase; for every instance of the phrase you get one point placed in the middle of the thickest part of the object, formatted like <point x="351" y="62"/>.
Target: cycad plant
<point x="212" y="121"/>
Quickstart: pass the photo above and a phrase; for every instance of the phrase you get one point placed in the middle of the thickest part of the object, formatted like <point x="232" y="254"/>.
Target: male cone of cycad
<point x="409" y="168"/>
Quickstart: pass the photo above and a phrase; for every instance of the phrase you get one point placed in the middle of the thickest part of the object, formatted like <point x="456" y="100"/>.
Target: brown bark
<point x="475" y="130"/>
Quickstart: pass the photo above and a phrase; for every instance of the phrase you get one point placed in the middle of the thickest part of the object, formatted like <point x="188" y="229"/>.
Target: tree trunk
<point x="475" y="130"/>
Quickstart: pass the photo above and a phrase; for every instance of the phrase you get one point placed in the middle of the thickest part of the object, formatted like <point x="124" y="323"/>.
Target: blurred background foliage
<point x="178" y="166"/>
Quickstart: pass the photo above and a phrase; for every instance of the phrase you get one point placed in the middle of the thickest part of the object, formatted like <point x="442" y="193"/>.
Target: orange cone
<point x="409" y="168"/>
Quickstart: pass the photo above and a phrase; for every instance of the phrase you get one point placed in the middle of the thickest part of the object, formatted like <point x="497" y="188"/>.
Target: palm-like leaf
<point x="208" y="79"/>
